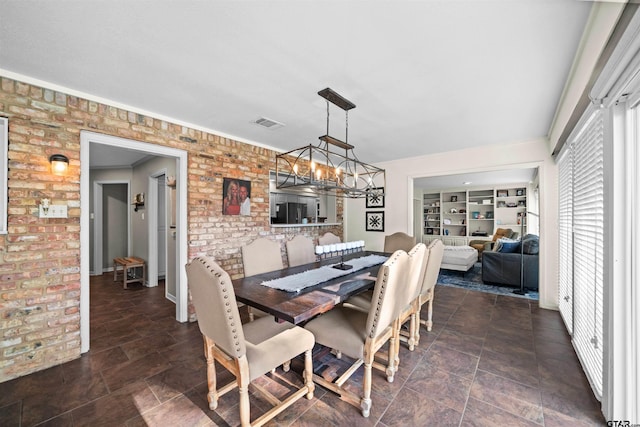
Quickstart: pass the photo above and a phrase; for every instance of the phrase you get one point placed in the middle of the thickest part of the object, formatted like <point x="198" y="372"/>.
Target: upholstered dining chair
<point x="248" y="351"/>
<point x="436" y="252"/>
<point x="328" y="238"/>
<point x="300" y="250"/>
<point x="409" y="293"/>
<point x="398" y="240"/>
<point x="261" y="256"/>
<point x="360" y="335"/>
<point x="419" y="257"/>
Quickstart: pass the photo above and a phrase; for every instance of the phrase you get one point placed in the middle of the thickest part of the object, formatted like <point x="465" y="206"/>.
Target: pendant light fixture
<point x="331" y="167"/>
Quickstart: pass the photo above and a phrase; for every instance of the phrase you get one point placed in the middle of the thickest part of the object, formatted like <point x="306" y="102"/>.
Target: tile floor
<point x="490" y="360"/>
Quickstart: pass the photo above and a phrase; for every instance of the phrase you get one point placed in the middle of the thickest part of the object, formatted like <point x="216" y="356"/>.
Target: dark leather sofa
<point x="504" y="268"/>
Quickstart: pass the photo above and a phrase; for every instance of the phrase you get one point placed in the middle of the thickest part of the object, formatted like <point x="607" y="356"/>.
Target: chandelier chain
<point x="346" y="122"/>
<point x="327" y="117"/>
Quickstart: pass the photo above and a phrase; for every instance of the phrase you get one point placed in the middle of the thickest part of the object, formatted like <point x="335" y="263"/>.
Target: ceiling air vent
<point x="268" y="123"/>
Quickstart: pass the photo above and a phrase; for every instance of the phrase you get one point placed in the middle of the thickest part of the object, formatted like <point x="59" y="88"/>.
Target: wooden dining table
<point x="298" y="307"/>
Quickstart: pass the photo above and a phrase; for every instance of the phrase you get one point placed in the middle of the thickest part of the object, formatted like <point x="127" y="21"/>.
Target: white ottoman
<point x="459" y="258"/>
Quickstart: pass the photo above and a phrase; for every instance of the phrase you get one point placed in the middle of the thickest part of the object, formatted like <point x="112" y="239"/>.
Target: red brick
<point x="40" y="257"/>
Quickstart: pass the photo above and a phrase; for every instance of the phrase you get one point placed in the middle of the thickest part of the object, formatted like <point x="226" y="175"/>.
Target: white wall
<point x="399" y="197"/>
<point x="106" y="175"/>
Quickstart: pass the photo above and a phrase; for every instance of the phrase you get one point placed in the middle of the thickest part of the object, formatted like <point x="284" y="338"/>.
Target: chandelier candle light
<point x="324" y="168"/>
<point x="340" y="249"/>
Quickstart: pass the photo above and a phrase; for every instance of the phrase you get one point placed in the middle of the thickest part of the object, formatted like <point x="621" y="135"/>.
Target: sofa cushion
<point x="504" y="269"/>
<point x="507" y="246"/>
<point x="531" y="244"/>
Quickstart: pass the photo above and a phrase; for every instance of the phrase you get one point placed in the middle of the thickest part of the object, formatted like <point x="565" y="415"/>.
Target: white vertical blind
<point x="565" y="229"/>
<point x="581" y="251"/>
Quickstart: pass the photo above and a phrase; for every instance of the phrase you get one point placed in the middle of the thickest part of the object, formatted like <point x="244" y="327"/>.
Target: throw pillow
<point x="501" y="233"/>
<point x="508" y="246"/>
<point x="531" y="244"/>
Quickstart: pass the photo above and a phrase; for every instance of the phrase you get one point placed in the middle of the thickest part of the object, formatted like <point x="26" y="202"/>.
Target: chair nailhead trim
<point x="223" y="284"/>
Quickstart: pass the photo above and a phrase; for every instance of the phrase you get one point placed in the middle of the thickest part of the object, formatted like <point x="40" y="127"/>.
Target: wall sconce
<point x="59" y="164"/>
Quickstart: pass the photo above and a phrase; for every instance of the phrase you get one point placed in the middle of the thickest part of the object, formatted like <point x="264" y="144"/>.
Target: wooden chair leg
<point x="429" y="322"/>
<point x="430" y="315"/>
<point x="395" y="357"/>
<point x="212" y="395"/>
<point x="412" y="332"/>
<point x="308" y="374"/>
<point x="394" y="351"/>
<point x="365" y="403"/>
<point x="418" y="322"/>
<point x="243" y="389"/>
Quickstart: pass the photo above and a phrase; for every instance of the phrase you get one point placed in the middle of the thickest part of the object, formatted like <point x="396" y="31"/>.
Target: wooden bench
<point x="129" y="263"/>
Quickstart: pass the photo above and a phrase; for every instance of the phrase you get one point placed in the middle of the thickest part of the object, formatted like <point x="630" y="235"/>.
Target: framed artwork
<point x="375" y="221"/>
<point x="520" y="192"/>
<point x="376" y="198"/>
<point x="454" y="198"/>
<point x="236" y="197"/>
<point x="503" y="193"/>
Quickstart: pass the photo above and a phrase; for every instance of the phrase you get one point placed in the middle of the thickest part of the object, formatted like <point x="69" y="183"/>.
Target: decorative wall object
<point x="138" y="201"/>
<point x="376" y="198"/>
<point x="236" y="197"/>
<point x="375" y="220"/>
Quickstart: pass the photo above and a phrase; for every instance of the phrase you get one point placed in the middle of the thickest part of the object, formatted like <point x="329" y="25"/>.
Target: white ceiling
<point x="107" y="157"/>
<point x="426" y="76"/>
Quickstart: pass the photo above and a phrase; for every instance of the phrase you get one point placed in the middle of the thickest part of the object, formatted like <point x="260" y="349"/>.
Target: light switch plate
<point x="55" y="211"/>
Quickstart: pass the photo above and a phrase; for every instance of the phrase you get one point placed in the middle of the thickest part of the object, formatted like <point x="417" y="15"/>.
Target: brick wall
<point x="40" y="258"/>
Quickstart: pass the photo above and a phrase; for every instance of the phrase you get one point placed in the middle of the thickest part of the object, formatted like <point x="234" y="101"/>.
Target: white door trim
<point x="86" y="138"/>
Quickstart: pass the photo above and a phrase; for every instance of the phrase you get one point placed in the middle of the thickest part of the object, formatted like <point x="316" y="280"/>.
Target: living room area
<point x="490" y="225"/>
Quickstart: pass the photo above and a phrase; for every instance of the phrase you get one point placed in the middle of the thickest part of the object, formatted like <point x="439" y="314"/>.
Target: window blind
<point x="565" y="229"/>
<point x="581" y="244"/>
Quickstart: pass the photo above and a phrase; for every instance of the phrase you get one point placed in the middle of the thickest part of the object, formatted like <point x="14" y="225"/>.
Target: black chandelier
<point x="323" y="169"/>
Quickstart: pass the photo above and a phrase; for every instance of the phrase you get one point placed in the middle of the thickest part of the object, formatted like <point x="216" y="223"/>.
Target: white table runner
<point x="297" y="282"/>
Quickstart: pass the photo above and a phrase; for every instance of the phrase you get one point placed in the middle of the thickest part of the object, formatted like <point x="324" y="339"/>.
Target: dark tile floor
<point x="488" y="361"/>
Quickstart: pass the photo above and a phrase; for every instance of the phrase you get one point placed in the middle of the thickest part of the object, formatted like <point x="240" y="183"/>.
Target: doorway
<point x="89" y="139"/>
